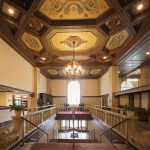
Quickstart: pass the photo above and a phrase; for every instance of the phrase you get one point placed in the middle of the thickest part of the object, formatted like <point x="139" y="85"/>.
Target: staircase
<point x="70" y="146"/>
<point x="75" y="144"/>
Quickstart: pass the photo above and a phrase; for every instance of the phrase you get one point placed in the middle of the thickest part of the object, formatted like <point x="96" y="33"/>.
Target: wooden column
<point x="118" y="101"/>
<point x="131" y="100"/>
<point x="140" y="100"/>
<point x="60" y="125"/>
<point x="148" y="108"/>
<point x="69" y="125"/>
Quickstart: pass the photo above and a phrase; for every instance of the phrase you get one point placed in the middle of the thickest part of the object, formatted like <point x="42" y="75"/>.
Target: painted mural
<point x="73" y="9"/>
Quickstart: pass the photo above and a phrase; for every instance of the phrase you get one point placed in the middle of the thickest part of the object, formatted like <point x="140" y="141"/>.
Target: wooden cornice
<point x="134" y="90"/>
<point x="12" y="89"/>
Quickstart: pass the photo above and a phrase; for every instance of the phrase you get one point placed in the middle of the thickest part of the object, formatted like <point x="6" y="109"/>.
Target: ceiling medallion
<point x="87" y="41"/>
<point x="73" y="68"/>
<point x="76" y="39"/>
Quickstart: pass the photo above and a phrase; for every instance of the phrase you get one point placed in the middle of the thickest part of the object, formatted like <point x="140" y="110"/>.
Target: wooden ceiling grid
<point x="118" y="18"/>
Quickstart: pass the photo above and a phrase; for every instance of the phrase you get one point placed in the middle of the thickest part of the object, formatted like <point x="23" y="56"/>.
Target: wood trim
<point x="81" y="96"/>
<point x="59" y="96"/>
<point x="89" y="96"/>
<point x="12" y="89"/>
<point x="141" y="89"/>
<point x="4" y="107"/>
<point x="5" y="124"/>
<point x="104" y="95"/>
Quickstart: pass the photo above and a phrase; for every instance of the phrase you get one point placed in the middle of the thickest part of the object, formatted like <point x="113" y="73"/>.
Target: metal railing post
<point x="23" y="133"/>
<point x="94" y="134"/>
<point x="111" y="135"/>
<point x="100" y="140"/>
<point x="53" y="135"/>
<point x="110" y="129"/>
<point x="35" y="126"/>
<point x="23" y="130"/>
<point x="127" y="132"/>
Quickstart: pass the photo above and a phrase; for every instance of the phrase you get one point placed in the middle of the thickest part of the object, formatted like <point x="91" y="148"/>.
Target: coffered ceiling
<point x="105" y="32"/>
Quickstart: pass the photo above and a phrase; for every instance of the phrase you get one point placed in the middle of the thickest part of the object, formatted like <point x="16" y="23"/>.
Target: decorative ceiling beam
<point x="123" y="15"/>
<point x="25" y="19"/>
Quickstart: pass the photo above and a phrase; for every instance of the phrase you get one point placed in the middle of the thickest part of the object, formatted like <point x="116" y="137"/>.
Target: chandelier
<point x="73" y="68"/>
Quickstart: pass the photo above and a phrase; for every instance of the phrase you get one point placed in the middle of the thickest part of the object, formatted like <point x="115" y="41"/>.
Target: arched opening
<point x="73" y="93"/>
<point x="126" y="85"/>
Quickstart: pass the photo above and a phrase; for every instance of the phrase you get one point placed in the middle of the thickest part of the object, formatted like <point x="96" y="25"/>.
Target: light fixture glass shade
<point x="73" y="68"/>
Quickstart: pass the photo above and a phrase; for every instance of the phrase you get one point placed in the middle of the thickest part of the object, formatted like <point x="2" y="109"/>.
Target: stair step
<point x="123" y="147"/>
<point x="69" y="146"/>
<point x="73" y="141"/>
<point x="94" y="146"/>
<point x="51" y="146"/>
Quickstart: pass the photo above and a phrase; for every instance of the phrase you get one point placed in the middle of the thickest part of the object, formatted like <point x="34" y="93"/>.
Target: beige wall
<point x="88" y="88"/>
<point x="59" y="100"/>
<point x="58" y="87"/>
<point x="15" y="70"/>
<point x="145" y="100"/>
<point x="104" y="84"/>
<point x="43" y="84"/>
<point x="2" y="99"/>
<point x="90" y="100"/>
<point x="136" y="100"/>
<point x="6" y="115"/>
<point x="124" y="100"/>
<point x="5" y="98"/>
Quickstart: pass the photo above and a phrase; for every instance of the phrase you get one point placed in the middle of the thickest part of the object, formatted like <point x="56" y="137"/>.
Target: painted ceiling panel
<point x="117" y="40"/>
<point x="85" y="39"/>
<point x="31" y="42"/>
<point x="73" y="9"/>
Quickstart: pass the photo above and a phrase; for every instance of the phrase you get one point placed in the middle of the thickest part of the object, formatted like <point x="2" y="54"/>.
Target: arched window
<point x="126" y="85"/>
<point x="73" y="93"/>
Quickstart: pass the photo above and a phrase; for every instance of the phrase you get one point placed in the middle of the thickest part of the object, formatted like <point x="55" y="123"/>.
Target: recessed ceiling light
<point x="11" y="11"/>
<point x="140" y="6"/>
<point x="43" y="58"/>
<point x="105" y="57"/>
<point x="147" y="53"/>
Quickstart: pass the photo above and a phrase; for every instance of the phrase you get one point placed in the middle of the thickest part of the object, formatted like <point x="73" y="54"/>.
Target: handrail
<point x="36" y="127"/>
<point x="57" y="134"/>
<point x="41" y="107"/>
<point x="90" y="134"/>
<point x="110" y="129"/>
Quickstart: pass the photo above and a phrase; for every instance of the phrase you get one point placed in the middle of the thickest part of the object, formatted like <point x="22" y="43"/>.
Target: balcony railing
<point x="36" y="118"/>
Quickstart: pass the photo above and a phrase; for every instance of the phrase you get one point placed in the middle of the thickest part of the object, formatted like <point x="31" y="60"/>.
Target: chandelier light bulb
<point x="73" y="68"/>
